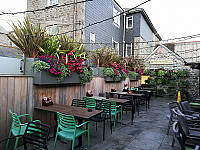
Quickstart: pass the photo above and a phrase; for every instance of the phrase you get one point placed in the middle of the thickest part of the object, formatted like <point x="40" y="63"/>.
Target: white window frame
<point x="52" y="30"/>
<point x="54" y="2"/>
<point x="127" y="20"/>
<point x="113" y="46"/>
<point x="130" y="46"/>
<point x="116" y="20"/>
<point x="92" y="37"/>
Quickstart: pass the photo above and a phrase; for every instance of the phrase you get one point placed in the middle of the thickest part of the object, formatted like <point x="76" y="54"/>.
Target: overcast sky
<point x="171" y="18"/>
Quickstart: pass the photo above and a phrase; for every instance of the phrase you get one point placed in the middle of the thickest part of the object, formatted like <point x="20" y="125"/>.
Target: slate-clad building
<point x="128" y="33"/>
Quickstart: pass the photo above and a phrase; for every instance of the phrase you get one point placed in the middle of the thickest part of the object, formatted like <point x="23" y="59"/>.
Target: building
<point x="3" y="38"/>
<point x="98" y="22"/>
<point x="140" y="36"/>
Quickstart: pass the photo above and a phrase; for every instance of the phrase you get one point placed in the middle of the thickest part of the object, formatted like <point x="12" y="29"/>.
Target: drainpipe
<point x="74" y="19"/>
<point x="124" y="35"/>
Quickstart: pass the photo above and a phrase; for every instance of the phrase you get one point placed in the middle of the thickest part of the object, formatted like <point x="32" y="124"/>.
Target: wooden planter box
<point x="45" y="77"/>
<point x="110" y="79"/>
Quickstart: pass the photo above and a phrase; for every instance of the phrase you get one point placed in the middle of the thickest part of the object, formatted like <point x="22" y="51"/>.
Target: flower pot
<point x="45" y="77"/>
<point x="27" y="63"/>
<point x="110" y="79"/>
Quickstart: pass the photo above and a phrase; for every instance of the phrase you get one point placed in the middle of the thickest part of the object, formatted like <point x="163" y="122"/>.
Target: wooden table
<point x="134" y="96"/>
<point x="118" y="101"/>
<point x="78" y="112"/>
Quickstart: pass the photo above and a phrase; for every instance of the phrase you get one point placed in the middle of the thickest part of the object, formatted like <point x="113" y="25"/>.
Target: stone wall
<point x="190" y="51"/>
<point x="142" y="49"/>
<point x="68" y="18"/>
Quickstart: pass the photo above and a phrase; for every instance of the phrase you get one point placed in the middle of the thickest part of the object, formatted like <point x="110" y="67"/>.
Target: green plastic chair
<point x="68" y="129"/>
<point x="115" y="109"/>
<point x="90" y="102"/>
<point x="18" y="128"/>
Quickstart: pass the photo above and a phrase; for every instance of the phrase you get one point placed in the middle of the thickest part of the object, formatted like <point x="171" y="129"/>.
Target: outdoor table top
<point x="125" y="93"/>
<point x="115" y="99"/>
<point x="69" y="110"/>
<point x="149" y="91"/>
<point x="147" y="88"/>
<point x="119" y="100"/>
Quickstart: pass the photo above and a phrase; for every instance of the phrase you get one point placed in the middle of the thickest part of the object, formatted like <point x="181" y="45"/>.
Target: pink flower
<point x="70" y="54"/>
<point x="73" y="51"/>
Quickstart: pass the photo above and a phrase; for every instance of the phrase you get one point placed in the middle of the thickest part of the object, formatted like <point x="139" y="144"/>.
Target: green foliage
<point x="182" y="73"/>
<point x="109" y="72"/>
<point x="40" y="65"/>
<point x="124" y="76"/>
<point x="161" y="73"/>
<point x="171" y="92"/>
<point x="86" y="75"/>
<point x="51" y="46"/>
<point x="28" y="37"/>
<point x="160" y="92"/>
<point x="133" y="74"/>
<point x="101" y="56"/>
<point x="147" y="72"/>
<point x="172" y="83"/>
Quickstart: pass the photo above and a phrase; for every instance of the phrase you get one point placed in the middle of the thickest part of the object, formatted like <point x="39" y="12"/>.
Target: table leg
<point x="132" y="115"/>
<point x="56" y="125"/>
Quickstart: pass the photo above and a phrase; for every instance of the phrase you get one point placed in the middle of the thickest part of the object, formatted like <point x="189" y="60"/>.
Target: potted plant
<point x="115" y="72"/>
<point x="160" y="92"/>
<point x="133" y="75"/>
<point x="100" y="57"/>
<point x="63" y="68"/>
<point x="28" y="38"/>
<point x="171" y="92"/>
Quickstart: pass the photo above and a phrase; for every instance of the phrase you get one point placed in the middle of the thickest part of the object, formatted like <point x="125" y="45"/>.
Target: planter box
<point x="100" y="71"/>
<point x="27" y="63"/>
<point x="46" y="77"/>
<point x="133" y="79"/>
<point x="109" y="79"/>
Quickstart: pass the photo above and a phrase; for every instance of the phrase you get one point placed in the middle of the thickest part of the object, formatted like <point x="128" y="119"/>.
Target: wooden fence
<point x="19" y="94"/>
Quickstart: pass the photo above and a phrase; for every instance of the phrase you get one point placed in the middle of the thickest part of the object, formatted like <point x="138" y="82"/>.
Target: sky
<point x="171" y="18"/>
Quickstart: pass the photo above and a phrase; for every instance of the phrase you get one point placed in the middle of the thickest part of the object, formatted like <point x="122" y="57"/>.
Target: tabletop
<point x="70" y="110"/>
<point x="148" y="88"/>
<point x="115" y="99"/>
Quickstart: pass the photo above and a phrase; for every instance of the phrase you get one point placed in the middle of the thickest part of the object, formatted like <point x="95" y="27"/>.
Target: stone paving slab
<point x="148" y="131"/>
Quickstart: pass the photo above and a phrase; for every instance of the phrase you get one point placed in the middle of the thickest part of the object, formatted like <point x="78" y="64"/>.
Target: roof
<point x="7" y="51"/>
<point x="144" y="14"/>
<point x="160" y="47"/>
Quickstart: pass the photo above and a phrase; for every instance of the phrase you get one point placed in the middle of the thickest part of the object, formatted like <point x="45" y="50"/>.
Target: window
<point x="92" y="37"/>
<point x="128" y="50"/>
<point x="116" y="20"/>
<point x="115" y="46"/>
<point x="51" y="30"/>
<point x="52" y="2"/>
<point x="129" y="22"/>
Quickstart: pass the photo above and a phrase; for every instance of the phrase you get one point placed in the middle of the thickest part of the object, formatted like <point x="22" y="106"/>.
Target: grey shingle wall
<point x="105" y="31"/>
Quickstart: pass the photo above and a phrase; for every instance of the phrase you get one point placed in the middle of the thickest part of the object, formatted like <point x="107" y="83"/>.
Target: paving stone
<point x="148" y="131"/>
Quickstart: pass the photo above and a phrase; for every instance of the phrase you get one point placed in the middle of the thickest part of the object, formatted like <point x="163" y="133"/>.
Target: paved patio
<point x="148" y="131"/>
